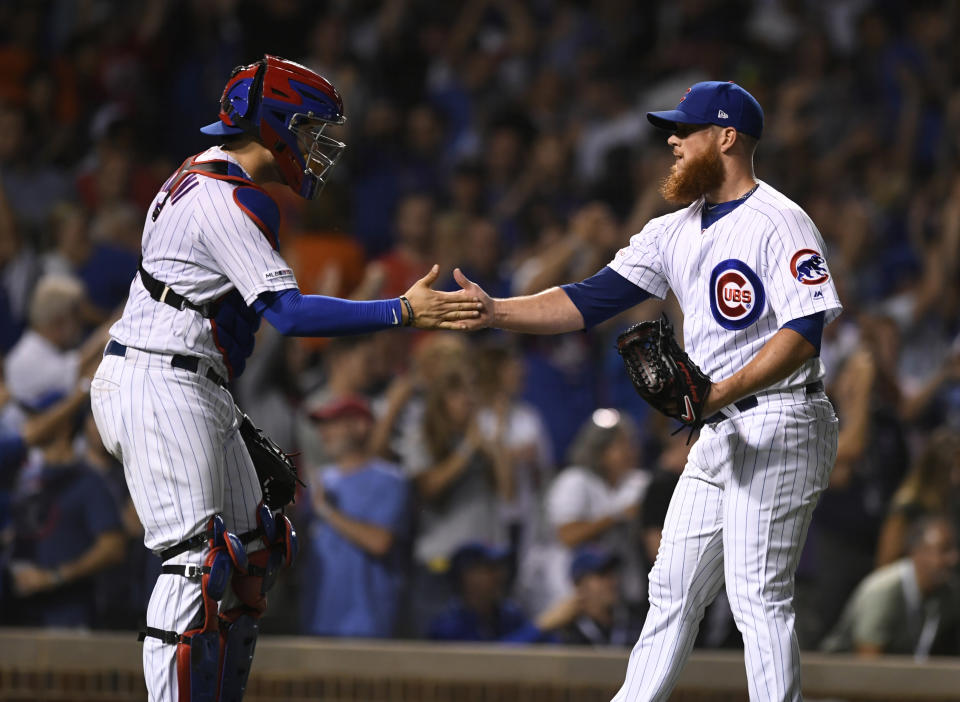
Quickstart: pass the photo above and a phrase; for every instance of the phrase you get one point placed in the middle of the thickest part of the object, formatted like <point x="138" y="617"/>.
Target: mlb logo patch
<point x="279" y="273"/>
<point x="809" y="267"/>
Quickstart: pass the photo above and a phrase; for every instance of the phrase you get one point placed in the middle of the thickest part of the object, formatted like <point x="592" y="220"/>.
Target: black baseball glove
<point x="662" y="373"/>
<point x="277" y="473"/>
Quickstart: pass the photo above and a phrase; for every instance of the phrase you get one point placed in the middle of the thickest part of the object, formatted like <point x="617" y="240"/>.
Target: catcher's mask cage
<point x="287" y="107"/>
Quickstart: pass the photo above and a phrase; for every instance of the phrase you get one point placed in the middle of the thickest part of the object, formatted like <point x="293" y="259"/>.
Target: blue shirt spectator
<point x="60" y="515"/>
<point x="359" y="506"/>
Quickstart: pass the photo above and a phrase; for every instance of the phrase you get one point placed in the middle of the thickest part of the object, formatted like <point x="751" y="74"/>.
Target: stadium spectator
<point x="596" y="499"/>
<point x="871" y="461"/>
<point x="480" y="610"/>
<point x="104" y="269"/>
<point x="359" y="530"/>
<point x="931" y="487"/>
<point x="32" y="186"/>
<point x="66" y="528"/>
<point x="460" y="477"/>
<point x="401" y="411"/>
<point x="505" y="418"/>
<point x="46" y="362"/>
<point x="122" y="590"/>
<point x="18" y="438"/>
<point x="909" y="607"/>
<point x="562" y="378"/>
<point x="347" y="369"/>
<point x="410" y="257"/>
<point x="464" y="193"/>
<point x="601" y="618"/>
<point x="18" y="270"/>
<point x="481" y="253"/>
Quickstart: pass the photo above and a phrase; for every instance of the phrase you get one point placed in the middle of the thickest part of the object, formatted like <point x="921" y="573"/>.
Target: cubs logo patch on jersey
<point x="737" y="297"/>
<point x="808" y="267"/>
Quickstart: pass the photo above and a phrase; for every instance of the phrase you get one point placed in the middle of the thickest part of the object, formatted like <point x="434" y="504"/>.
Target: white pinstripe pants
<point x="739" y="515"/>
<point x="176" y="434"/>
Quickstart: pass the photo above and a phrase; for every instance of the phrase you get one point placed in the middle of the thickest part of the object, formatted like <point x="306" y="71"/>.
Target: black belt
<point x="189" y="363"/>
<point x="751" y="401"/>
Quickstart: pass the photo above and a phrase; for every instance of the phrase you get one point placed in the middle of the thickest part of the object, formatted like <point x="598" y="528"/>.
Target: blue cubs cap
<point x="590" y="561"/>
<point x="714" y="102"/>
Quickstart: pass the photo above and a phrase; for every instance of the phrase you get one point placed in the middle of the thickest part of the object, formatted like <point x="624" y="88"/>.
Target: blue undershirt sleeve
<point x="809" y="327"/>
<point x="603" y="295"/>
<point x="295" y="314"/>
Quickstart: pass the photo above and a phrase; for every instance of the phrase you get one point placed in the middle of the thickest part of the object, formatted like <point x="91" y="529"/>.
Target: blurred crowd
<point x="487" y="487"/>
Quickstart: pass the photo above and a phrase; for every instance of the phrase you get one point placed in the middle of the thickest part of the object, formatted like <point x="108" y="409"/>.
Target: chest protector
<point x="232" y="322"/>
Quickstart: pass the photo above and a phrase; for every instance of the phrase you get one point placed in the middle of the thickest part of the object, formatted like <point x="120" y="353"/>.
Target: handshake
<point x="467" y="309"/>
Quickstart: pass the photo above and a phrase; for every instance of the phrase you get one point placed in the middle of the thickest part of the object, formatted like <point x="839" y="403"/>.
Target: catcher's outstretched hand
<point x="484" y="318"/>
<point x="435" y="309"/>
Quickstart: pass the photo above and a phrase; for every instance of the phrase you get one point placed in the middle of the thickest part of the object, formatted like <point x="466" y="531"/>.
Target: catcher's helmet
<point x="286" y="106"/>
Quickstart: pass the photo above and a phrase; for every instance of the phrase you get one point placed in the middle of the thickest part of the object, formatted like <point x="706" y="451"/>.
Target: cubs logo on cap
<point x="809" y="267"/>
<point x="737" y="297"/>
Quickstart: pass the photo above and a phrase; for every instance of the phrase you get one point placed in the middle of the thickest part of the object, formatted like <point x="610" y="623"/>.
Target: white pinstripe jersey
<point x="202" y="245"/>
<point x="738" y="281"/>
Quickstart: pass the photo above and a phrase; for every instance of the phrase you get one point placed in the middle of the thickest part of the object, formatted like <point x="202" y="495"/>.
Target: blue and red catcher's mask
<point x="286" y="106"/>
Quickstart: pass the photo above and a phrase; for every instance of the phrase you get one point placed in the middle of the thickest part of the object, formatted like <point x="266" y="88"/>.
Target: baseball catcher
<point x="208" y="486"/>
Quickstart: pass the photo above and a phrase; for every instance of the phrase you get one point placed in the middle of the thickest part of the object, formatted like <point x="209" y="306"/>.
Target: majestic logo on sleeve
<point x="808" y="267"/>
<point x="737" y="297"/>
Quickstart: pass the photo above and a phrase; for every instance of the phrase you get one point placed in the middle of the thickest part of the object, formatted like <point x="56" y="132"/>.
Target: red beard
<point x="699" y="176"/>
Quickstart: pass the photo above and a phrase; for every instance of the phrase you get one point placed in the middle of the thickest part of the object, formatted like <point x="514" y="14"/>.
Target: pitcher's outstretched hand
<point x="485" y="316"/>
<point x="435" y="309"/>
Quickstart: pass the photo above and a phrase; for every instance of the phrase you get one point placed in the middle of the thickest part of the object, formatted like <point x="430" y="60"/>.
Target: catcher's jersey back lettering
<point x="738" y="281"/>
<point x="203" y="244"/>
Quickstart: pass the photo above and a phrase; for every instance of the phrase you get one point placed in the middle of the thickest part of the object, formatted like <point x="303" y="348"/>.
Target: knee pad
<point x="278" y="536"/>
<point x="238" y="625"/>
<point x="251" y="584"/>
<point x="199" y="651"/>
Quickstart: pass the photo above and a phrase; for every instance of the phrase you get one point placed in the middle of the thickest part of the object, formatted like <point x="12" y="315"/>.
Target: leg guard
<point x="199" y="647"/>
<point x="238" y="625"/>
